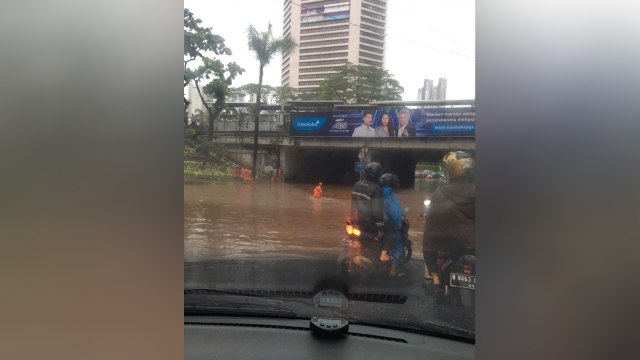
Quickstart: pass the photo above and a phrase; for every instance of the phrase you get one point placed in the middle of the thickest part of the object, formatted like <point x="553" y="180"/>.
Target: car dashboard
<point x="250" y="337"/>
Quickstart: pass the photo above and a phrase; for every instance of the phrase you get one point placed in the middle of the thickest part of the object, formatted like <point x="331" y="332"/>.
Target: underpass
<point x="333" y="160"/>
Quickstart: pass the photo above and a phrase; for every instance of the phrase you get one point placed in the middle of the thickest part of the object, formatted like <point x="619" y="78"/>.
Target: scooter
<point x="458" y="277"/>
<point x="361" y="254"/>
<point x="457" y="274"/>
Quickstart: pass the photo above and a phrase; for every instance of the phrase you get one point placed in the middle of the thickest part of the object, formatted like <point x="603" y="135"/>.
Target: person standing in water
<point x="317" y="191"/>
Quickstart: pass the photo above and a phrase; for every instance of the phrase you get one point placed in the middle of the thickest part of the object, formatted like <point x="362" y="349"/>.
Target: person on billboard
<point x="405" y="129"/>
<point x="365" y="130"/>
<point x="386" y="128"/>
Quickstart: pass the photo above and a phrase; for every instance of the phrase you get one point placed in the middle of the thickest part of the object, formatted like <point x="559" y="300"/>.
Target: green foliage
<point x="198" y="42"/>
<point x="211" y="149"/>
<point x="283" y="94"/>
<point x="269" y="94"/>
<point x="198" y="39"/>
<point x="190" y="136"/>
<point x="358" y="84"/>
<point x="208" y="171"/>
<point x="265" y="46"/>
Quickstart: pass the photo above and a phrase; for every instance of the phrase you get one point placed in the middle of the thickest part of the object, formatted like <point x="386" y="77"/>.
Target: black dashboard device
<point x="330" y="298"/>
<point x="329" y="327"/>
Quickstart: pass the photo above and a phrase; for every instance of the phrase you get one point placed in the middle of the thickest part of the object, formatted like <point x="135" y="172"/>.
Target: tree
<point x="252" y="89"/>
<point x="198" y="41"/>
<point x="283" y="94"/>
<point x="269" y="94"/>
<point x="265" y="46"/>
<point x="358" y="84"/>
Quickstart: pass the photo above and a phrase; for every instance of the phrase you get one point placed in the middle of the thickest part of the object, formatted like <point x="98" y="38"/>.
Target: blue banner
<point x="420" y="123"/>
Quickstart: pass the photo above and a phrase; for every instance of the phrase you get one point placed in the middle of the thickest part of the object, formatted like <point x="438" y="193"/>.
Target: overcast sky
<point x="425" y="39"/>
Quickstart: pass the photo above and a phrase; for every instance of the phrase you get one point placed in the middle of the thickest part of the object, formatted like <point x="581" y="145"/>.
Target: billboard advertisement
<point x="417" y="123"/>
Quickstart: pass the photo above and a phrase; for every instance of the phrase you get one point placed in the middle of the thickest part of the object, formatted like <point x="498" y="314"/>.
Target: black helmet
<point x="390" y="180"/>
<point x="373" y="172"/>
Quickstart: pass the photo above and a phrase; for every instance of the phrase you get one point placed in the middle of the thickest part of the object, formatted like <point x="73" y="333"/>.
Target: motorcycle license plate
<point x="462" y="281"/>
<point x="350" y="242"/>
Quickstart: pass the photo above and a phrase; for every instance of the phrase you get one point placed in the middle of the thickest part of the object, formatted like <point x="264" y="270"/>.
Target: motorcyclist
<point x="450" y="218"/>
<point x="367" y="209"/>
<point x="391" y="240"/>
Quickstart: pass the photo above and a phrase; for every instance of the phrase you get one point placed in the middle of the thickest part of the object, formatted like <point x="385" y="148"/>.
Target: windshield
<point x="310" y="164"/>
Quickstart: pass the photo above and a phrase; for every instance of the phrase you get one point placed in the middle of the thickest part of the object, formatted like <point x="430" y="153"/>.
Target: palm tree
<point x="265" y="46"/>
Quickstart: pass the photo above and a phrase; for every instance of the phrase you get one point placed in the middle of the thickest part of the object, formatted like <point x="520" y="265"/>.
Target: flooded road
<point x="236" y="220"/>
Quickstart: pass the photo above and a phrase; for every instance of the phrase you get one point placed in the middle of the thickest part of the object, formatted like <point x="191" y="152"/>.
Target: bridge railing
<point x="272" y="122"/>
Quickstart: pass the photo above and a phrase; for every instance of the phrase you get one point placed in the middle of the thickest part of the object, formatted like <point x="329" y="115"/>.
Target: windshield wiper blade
<point x="234" y="308"/>
<point x="250" y="292"/>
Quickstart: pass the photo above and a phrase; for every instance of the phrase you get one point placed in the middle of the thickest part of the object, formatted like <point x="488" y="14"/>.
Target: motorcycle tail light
<point x="353" y="230"/>
<point x="467" y="270"/>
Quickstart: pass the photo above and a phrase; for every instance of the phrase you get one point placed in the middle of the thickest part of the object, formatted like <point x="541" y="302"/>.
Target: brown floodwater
<point x="235" y="219"/>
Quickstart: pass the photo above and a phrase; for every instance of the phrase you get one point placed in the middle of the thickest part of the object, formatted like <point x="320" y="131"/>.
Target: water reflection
<point x="230" y="219"/>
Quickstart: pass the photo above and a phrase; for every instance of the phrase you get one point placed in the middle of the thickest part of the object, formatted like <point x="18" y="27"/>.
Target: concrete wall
<point x="333" y="160"/>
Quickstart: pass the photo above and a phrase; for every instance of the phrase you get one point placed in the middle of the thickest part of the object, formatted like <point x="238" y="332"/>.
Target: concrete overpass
<point x="330" y="160"/>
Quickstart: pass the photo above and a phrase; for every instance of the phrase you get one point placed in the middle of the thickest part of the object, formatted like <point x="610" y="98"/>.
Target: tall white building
<point x="195" y="102"/>
<point x="329" y="34"/>
<point x="433" y="92"/>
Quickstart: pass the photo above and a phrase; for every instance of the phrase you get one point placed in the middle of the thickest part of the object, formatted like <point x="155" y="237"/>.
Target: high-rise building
<point x="433" y="92"/>
<point x="329" y="34"/>
<point x="195" y="102"/>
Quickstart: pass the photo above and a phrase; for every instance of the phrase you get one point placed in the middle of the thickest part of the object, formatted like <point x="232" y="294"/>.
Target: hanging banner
<point x="419" y="123"/>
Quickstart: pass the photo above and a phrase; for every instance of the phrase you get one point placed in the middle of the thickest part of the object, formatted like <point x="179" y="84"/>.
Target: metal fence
<point x="273" y="122"/>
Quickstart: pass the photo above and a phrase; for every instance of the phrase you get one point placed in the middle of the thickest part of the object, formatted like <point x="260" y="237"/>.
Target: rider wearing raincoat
<point x="391" y="240"/>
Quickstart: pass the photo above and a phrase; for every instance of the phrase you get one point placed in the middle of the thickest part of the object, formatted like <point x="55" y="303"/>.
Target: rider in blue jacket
<point x="391" y="240"/>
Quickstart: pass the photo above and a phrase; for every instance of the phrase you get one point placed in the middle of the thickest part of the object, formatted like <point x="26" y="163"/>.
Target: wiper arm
<point x="236" y="308"/>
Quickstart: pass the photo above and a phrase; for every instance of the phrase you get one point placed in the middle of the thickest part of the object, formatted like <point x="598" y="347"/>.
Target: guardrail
<point x="276" y="122"/>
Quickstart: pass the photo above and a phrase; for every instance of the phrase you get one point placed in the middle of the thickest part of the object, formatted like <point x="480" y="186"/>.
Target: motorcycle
<point x="361" y="254"/>
<point x="457" y="274"/>
<point x="458" y="277"/>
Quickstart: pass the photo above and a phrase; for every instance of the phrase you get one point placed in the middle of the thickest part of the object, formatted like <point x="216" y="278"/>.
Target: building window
<point x="371" y="35"/>
<point x="370" y="62"/>
<point x="323" y="62"/>
<point x="372" y="42"/>
<point x="311" y="82"/>
<point x="371" y="49"/>
<point x="320" y="43"/>
<point x="377" y="2"/>
<point x="372" y="15"/>
<point x="372" y="29"/>
<point x="323" y="49"/>
<point x="371" y="22"/>
<point x="324" y="36"/>
<point x="371" y="56"/>
<point x="320" y="69"/>
<point x="325" y="22"/>
<point x="323" y="56"/>
<point x="324" y="29"/>
<point x="316" y="76"/>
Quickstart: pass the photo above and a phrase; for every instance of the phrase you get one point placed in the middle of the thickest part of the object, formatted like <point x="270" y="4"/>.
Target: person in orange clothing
<point x="317" y="191"/>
